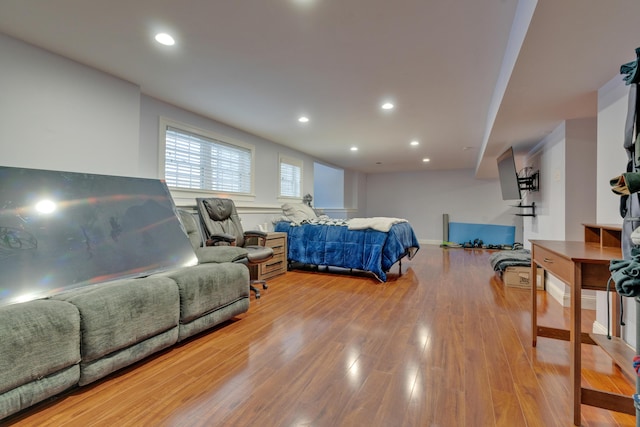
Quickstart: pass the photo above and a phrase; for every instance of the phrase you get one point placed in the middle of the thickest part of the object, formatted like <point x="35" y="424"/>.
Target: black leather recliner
<point x="222" y="226"/>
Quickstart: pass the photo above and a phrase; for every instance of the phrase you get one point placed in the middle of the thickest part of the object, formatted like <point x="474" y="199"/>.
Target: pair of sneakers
<point x="477" y="243"/>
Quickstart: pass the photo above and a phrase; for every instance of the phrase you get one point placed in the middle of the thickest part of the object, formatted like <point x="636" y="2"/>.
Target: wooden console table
<point x="581" y="265"/>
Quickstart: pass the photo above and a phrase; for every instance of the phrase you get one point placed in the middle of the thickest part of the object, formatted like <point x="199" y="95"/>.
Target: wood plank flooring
<point x="443" y="344"/>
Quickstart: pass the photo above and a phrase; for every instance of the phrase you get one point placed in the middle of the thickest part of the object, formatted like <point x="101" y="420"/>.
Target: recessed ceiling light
<point x="414" y="143"/>
<point x="304" y="2"/>
<point x="426" y="160"/>
<point x="387" y="106"/>
<point x="354" y="148"/>
<point x="165" y="39"/>
<point x="303" y="119"/>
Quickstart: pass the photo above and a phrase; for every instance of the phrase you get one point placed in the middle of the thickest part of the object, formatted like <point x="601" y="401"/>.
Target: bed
<point x="351" y="244"/>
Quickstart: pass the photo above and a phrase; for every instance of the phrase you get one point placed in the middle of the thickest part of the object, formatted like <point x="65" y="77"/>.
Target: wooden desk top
<point x="580" y="251"/>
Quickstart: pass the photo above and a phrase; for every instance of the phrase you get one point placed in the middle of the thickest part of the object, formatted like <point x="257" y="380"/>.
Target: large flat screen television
<point x="508" y="175"/>
<point x="63" y="230"/>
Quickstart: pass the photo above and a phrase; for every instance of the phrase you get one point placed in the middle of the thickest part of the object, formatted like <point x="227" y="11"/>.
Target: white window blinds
<point x="198" y="162"/>
<point x="290" y="177"/>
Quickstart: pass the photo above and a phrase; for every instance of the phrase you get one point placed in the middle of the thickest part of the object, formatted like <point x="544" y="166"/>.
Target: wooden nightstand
<point x="278" y="264"/>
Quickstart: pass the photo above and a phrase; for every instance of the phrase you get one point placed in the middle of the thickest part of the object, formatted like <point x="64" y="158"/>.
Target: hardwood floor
<point x="444" y="344"/>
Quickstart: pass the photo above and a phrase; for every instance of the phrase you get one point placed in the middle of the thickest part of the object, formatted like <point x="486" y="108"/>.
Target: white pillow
<point x="298" y="212"/>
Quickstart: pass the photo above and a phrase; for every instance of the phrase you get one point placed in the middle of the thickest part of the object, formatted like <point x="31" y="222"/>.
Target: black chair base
<point x="254" y="289"/>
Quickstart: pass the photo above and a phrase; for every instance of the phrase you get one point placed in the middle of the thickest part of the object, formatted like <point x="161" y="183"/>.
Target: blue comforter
<point x="331" y="245"/>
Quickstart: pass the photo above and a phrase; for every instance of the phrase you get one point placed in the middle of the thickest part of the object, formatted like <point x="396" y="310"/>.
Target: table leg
<point x="534" y="300"/>
<point x="575" y="342"/>
<point x="615" y="312"/>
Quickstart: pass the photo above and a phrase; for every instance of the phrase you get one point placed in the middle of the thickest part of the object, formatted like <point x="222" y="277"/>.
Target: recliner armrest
<point x="260" y="236"/>
<point x="255" y="233"/>
<point x="224" y="237"/>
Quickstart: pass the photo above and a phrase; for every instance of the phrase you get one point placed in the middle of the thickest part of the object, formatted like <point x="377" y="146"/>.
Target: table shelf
<point x="605" y="235"/>
<point x="619" y="351"/>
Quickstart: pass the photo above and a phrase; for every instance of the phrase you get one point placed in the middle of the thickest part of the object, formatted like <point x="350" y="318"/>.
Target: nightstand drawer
<point x="278" y="264"/>
<point x="278" y="245"/>
<point x="275" y="264"/>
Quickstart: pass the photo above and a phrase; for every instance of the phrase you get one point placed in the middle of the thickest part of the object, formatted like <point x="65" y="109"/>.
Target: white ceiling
<point x="259" y="64"/>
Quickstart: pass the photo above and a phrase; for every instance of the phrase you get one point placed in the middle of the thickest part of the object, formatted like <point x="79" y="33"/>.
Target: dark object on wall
<point x="528" y="179"/>
<point x="63" y="230"/>
<point x="508" y="176"/>
<point x="511" y="183"/>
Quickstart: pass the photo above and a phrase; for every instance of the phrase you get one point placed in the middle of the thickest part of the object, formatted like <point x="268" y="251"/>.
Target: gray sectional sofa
<point x="74" y="338"/>
<point x="40" y="354"/>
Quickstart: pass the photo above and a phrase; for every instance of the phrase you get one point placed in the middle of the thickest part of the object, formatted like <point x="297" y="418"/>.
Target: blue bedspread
<point x="331" y="245"/>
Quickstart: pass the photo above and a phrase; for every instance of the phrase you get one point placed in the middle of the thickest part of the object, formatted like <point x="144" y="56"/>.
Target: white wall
<point x="566" y="159"/>
<point x="549" y="223"/>
<point x="567" y="169"/>
<point x="61" y="115"/>
<point x="328" y="186"/>
<point x="612" y="158"/>
<point x="67" y="116"/>
<point x="355" y="190"/>
<point x="266" y="152"/>
<point x="422" y="198"/>
<point x="580" y="176"/>
<point x="266" y="205"/>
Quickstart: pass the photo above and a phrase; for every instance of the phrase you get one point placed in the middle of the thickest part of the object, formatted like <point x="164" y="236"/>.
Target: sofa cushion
<point x="207" y="287"/>
<point x="116" y="315"/>
<point x="213" y="318"/>
<point x="99" y="368"/>
<point x="38" y="338"/>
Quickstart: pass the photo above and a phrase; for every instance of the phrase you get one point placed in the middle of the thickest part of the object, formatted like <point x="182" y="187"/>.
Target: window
<point x="199" y="160"/>
<point x="328" y="186"/>
<point x="290" y="177"/>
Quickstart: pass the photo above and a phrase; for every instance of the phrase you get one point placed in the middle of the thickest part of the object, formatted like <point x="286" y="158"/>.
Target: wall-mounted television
<point x="509" y="183"/>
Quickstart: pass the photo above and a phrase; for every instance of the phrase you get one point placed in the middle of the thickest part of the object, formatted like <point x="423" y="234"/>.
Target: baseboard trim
<point x="560" y="292"/>
<point x="598" y="328"/>
<point x="429" y="241"/>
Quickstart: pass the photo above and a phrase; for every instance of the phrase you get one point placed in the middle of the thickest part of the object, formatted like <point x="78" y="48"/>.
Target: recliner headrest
<point x="218" y="209"/>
